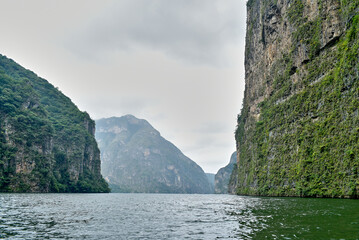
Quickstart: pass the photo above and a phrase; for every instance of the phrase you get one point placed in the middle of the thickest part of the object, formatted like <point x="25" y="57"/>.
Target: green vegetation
<point x="295" y="13"/>
<point x="44" y="137"/>
<point x="306" y="141"/>
<point x="222" y="178"/>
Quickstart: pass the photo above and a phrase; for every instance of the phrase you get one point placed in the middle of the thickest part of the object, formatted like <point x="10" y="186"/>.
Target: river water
<point x="174" y="216"/>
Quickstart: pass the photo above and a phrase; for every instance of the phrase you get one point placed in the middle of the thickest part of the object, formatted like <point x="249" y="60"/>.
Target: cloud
<point x="195" y="31"/>
<point x="212" y="128"/>
<point x="176" y="63"/>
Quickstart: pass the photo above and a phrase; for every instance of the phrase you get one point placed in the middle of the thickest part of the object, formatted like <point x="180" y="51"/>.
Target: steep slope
<point x="136" y="158"/>
<point x="298" y="132"/>
<point x="210" y="177"/>
<point x="46" y="143"/>
<point x="221" y="179"/>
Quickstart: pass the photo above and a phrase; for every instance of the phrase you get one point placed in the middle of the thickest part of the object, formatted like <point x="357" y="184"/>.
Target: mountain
<point x="210" y="177"/>
<point x="136" y="158"/>
<point x="297" y="134"/>
<point x="223" y="175"/>
<point x="46" y="143"/>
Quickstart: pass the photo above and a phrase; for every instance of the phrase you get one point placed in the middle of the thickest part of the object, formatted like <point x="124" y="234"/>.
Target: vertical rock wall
<point x="297" y="133"/>
<point x="46" y="143"/>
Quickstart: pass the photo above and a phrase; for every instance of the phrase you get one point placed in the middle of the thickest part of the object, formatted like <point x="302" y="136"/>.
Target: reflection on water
<point x="165" y="216"/>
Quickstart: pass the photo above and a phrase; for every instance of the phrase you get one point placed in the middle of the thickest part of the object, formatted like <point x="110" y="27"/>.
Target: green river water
<point x="175" y="216"/>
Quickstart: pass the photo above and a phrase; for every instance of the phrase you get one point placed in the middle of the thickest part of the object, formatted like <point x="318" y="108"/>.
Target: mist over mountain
<point x="136" y="158"/>
<point x="210" y="177"/>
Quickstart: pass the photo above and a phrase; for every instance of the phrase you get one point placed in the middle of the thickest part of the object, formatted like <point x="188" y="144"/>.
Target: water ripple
<point x="165" y="216"/>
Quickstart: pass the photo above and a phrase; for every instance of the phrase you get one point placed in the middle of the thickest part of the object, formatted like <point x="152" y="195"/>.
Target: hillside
<point x="136" y="158"/>
<point x="210" y="177"/>
<point x="222" y="177"/>
<point x="46" y="143"/>
<point x="298" y="132"/>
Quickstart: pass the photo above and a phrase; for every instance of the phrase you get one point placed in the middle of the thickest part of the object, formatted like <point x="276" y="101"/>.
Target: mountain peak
<point x="135" y="158"/>
<point x="127" y="123"/>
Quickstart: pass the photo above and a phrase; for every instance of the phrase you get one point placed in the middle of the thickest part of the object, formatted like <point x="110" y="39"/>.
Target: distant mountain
<point x="223" y="176"/>
<point x="210" y="177"/>
<point x="136" y="158"/>
<point x="46" y="143"/>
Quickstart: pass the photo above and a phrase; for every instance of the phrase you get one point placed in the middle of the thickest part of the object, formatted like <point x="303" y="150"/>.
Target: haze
<point x="177" y="64"/>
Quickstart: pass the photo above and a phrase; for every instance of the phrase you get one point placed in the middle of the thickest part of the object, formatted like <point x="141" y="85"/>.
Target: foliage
<point x="222" y="178"/>
<point x="306" y="141"/>
<point x="38" y="126"/>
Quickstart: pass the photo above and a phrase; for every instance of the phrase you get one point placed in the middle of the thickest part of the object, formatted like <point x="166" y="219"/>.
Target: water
<point x="166" y="216"/>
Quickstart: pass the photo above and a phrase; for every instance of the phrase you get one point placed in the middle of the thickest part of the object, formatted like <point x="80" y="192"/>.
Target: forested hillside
<point x="46" y="143"/>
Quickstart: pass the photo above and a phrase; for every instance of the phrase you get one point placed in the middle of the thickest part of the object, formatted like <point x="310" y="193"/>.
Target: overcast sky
<point x="177" y="63"/>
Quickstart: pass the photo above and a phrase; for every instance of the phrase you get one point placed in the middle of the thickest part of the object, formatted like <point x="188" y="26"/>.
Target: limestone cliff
<point x="46" y="143"/>
<point x="297" y="133"/>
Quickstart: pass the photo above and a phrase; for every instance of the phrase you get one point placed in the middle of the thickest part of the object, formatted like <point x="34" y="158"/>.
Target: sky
<point x="178" y="64"/>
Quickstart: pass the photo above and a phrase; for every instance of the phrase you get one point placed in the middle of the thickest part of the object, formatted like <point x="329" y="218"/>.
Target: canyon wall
<point x="297" y="134"/>
<point x="46" y="143"/>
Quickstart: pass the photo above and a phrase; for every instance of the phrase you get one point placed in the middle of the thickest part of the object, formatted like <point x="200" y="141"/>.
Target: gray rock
<point x="136" y="158"/>
<point x="223" y="175"/>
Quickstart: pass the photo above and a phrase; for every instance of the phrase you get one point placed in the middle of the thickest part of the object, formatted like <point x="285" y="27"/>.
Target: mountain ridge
<point x="136" y="158"/>
<point x="222" y="177"/>
<point x="46" y="143"/>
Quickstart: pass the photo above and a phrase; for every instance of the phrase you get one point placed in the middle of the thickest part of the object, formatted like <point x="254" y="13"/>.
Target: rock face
<point x="297" y="134"/>
<point x="136" y="158"/>
<point x="210" y="177"/>
<point x="46" y="143"/>
<point x="221" y="179"/>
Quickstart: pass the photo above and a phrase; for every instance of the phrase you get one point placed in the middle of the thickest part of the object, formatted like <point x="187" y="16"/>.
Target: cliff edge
<point x="46" y="143"/>
<point x="297" y="134"/>
<point x="222" y="177"/>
